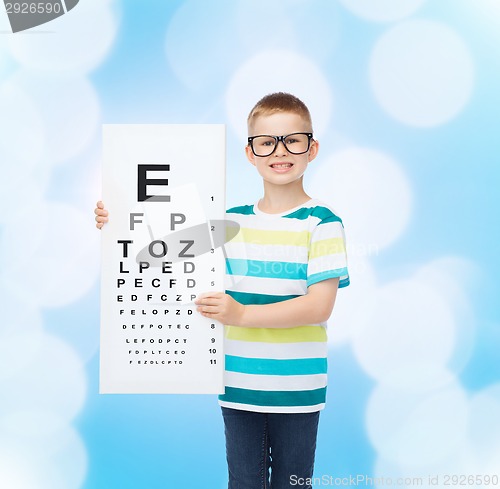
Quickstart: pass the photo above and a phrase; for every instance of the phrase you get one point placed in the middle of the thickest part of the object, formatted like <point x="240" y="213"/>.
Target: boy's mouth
<point x="281" y="167"/>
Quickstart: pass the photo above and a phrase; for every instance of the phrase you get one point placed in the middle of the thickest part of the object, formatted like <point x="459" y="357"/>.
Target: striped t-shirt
<point x="275" y="257"/>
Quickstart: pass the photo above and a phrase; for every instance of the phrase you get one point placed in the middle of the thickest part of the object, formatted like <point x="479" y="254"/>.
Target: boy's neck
<point x="279" y="199"/>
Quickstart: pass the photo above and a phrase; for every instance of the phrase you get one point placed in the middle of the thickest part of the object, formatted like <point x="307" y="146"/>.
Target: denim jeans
<point x="269" y="450"/>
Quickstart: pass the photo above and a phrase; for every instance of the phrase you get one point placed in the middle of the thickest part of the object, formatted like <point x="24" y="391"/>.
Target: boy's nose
<point x="280" y="149"/>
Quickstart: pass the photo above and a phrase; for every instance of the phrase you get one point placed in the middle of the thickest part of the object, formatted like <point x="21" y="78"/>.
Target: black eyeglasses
<point x="296" y="143"/>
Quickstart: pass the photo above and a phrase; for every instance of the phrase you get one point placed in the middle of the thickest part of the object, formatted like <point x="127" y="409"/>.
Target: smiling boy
<point x="283" y="270"/>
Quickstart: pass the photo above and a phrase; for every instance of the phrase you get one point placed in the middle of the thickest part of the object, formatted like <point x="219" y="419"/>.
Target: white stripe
<point x="328" y="230"/>
<point x="249" y="251"/>
<point x="326" y="262"/>
<point x="272" y="409"/>
<point x="279" y="351"/>
<point x="270" y="286"/>
<point x="277" y="224"/>
<point x="288" y="383"/>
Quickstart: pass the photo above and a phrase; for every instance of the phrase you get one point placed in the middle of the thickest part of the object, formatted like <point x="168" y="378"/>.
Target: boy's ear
<point x="250" y="155"/>
<point x="313" y="150"/>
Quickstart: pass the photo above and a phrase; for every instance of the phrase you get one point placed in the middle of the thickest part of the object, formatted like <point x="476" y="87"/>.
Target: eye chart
<point x="164" y="188"/>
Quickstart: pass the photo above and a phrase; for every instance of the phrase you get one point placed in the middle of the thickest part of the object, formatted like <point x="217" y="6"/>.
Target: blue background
<point x="422" y="225"/>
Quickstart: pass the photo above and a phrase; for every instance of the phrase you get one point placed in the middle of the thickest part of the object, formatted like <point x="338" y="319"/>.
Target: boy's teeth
<point x="281" y="165"/>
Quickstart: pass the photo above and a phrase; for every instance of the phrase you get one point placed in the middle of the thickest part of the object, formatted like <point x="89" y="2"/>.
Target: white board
<point x="164" y="188"/>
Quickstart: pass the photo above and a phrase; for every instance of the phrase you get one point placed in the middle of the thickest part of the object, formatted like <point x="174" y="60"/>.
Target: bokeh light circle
<point x="79" y="41"/>
<point x="53" y="381"/>
<point x="417" y="428"/>
<point x="484" y="425"/>
<point x="382" y="10"/>
<point x="371" y="193"/>
<point x="49" y="254"/>
<point x="21" y="330"/>
<point x="403" y="323"/>
<point x="290" y="33"/>
<point x="344" y="319"/>
<point x="69" y="110"/>
<point x="251" y="82"/>
<point x="453" y="277"/>
<point x="22" y="147"/>
<point x="194" y="46"/>
<point x="23" y="133"/>
<point x="422" y="73"/>
<point x="41" y="461"/>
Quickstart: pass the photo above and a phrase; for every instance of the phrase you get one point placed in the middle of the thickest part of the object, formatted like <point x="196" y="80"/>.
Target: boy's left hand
<point x="221" y="307"/>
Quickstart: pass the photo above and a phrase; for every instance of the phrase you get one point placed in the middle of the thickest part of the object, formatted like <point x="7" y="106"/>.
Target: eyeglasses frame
<point x="282" y="139"/>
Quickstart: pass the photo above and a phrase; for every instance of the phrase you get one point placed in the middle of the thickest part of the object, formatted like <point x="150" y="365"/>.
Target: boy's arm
<point x="313" y="308"/>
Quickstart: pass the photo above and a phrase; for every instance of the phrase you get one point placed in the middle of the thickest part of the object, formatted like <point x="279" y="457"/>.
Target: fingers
<point x="100" y="220"/>
<point x="100" y="210"/>
<point x="202" y="298"/>
<point x="100" y="214"/>
<point x="208" y="309"/>
<point x="207" y="301"/>
<point x="209" y="315"/>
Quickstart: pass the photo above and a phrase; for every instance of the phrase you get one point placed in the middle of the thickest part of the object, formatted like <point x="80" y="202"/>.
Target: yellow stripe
<point x="257" y="236"/>
<point x="277" y="335"/>
<point x="330" y="246"/>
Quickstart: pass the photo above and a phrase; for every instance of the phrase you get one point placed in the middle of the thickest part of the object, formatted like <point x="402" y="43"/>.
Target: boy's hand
<point x="100" y="215"/>
<point x="220" y="306"/>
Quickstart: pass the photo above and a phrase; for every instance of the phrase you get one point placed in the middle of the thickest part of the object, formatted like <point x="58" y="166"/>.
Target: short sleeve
<point x="327" y="252"/>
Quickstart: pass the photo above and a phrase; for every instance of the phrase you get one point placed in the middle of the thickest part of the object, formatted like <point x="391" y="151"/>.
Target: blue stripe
<point x="322" y="213"/>
<point x="247" y="298"/>
<point x="344" y="282"/>
<point x="332" y="218"/>
<point x="242" y="209"/>
<point x="319" y="277"/>
<point x="266" y="269"/>
<point x="265" y="366"/>
<point x="274" y="398"/>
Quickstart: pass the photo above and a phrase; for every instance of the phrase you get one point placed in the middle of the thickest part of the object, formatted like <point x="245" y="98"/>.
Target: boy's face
<point x="281" y="167"/>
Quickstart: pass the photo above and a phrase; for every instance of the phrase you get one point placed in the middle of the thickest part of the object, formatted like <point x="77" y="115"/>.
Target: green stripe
<point x="274" y="398"/>
<point x="266" y="269"/>
<point x="242" y="209"/>
<point x="298" y="334"/>
<point x="271" y="366"/>
<point x="322" y="213"/>
<point x="247" y="298"/>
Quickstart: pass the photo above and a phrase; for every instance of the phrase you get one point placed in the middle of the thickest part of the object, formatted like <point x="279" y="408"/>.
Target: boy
<point x="283" y="269"/>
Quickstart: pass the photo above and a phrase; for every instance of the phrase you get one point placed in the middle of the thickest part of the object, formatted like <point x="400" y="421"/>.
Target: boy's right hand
<point x="101" y="215"/>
